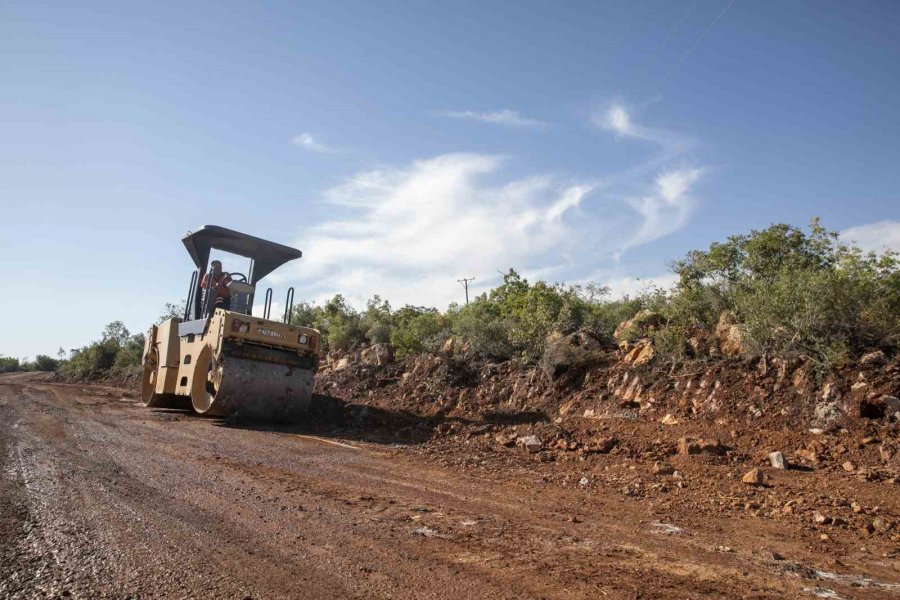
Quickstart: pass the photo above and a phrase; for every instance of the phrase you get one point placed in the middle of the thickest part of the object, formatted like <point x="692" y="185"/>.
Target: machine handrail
<point x="192" y="290"/>
<point x="288" y="304"/>
<point x="267" y="304"/>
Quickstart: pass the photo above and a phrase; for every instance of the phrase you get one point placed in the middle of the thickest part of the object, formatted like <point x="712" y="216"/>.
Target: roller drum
<point x="245" y="388"/>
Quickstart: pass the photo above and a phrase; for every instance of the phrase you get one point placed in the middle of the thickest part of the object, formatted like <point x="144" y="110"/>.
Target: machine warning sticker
<point x="270" y="333"/>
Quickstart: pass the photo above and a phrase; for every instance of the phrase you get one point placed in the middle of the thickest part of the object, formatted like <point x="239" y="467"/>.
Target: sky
<point x="405" y="145"/>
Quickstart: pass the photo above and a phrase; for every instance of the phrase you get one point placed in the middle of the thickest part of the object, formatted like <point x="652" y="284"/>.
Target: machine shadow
<point x="330" y="416"/>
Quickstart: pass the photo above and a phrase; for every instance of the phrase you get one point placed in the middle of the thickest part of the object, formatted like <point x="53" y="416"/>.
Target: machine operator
<point x="221" y="279"/>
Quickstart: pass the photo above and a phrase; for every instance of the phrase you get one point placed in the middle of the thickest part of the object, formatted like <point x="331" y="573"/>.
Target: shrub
<point x="116" y="348"/>
<point x="9" y="364"/>
<point x="793" y="292"/>
<point x="418" y="329"/>
<point x="489" y="334"/>
<point x="42" y="362"/>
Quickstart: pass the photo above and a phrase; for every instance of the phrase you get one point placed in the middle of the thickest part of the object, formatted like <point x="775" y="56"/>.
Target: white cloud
<point x="505" y="117"/>
<point x="617" y="119"/>
<point x="308" y="141"/>
<point x="409" y="232"/>
<point x="667" y="206"/>
<point x="667" y="203"/>
<point x="874" y="236"/>
<point x="412" y="232"/>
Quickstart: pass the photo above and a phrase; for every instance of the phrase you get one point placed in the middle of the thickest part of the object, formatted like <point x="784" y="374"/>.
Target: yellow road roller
<point x="220" y="359"/>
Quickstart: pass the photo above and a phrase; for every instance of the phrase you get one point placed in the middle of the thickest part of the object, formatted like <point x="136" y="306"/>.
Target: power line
<point x="465" y="282"/>
<point x="698" y="40"/>
<point x="680" y="23"/>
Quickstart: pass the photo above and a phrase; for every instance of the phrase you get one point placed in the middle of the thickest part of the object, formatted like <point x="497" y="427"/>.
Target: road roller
<point x="220" y="359"/>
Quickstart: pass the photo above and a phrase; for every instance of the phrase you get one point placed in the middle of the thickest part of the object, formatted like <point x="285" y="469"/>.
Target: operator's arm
<point x="223" y="286"/>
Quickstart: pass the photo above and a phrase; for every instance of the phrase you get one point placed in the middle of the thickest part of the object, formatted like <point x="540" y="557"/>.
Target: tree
<point x="171" y="311"/>
<point x="42" y="362"/>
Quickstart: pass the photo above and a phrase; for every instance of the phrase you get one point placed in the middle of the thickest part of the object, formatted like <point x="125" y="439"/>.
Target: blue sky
<point x="405" y="145"/>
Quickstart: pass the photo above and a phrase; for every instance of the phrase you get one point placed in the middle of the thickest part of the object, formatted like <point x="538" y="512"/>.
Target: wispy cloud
<point x="879" y="236"/>
<point x="505" y="117"/>
<point x="411" y="232"/>
<point x="617" y="119"/>
<point x="408" y="232"/>
<point x="666" y="206"/>
<point x="309" y="142"/>
<point x="666" y="202"/>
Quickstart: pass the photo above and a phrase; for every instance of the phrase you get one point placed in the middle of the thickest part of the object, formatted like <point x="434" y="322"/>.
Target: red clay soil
<point x="434" y="478"/>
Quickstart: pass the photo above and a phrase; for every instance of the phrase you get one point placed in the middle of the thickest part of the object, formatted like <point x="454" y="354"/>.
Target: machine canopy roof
<point x="267" y="256"/>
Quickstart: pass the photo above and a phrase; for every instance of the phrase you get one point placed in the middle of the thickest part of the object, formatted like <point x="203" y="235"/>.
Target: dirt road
<point x="102" y="498"/>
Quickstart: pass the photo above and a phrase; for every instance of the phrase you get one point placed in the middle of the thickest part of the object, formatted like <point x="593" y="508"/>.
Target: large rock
<point x="873" y="359"/>
<point x="456" y="346"/>
<point x="342" y="363"/>
<point x="642" y="353"/>
<point x="377" y="355"/>
<point x="730" y="335"/>
<point x="570" y="353"/>
<point x="638" y="326"/>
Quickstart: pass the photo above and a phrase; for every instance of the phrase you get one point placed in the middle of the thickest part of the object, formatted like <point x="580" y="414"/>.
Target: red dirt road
<point x="102" y="498"/>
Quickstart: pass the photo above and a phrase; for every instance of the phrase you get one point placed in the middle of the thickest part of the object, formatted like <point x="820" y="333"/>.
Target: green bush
<point x="340" y="325"/>
<point x="115" y="348"/>
<point x="479" y="323"/>
<point x="42" y="362"/>
<point x="793" y="292"/>
<point x="9" y="364"/>
<point x="418" y="329"/>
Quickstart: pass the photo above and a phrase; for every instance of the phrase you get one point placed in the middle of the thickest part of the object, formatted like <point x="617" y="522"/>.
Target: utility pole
<point x="465" y="281"/>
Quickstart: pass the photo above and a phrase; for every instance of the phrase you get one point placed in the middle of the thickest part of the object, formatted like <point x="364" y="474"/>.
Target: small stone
<point x="604" y="444"/>
<point x="687" y="446"/>
<point x="776" y="459"/>
<point x="859" y="388"/>
<point x="824" y="537"/>
<point x="891" y="404"/>
<point x="669" y="420"/>
<point x="886" y="452"/>
<point x="505" y="440"/>
<point x="873" y="358"/>
<point x="753" y="477"/>
<point x="848" y="466"/>
<point x="856" y="507"/>
<point x="663" y="468"/>
<point x="532" y="443"/>
<point x="830" y="392"/>
<point x="880" y="525"/>
<point x="776" y="556"/>
<point x="821" y="519"/>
